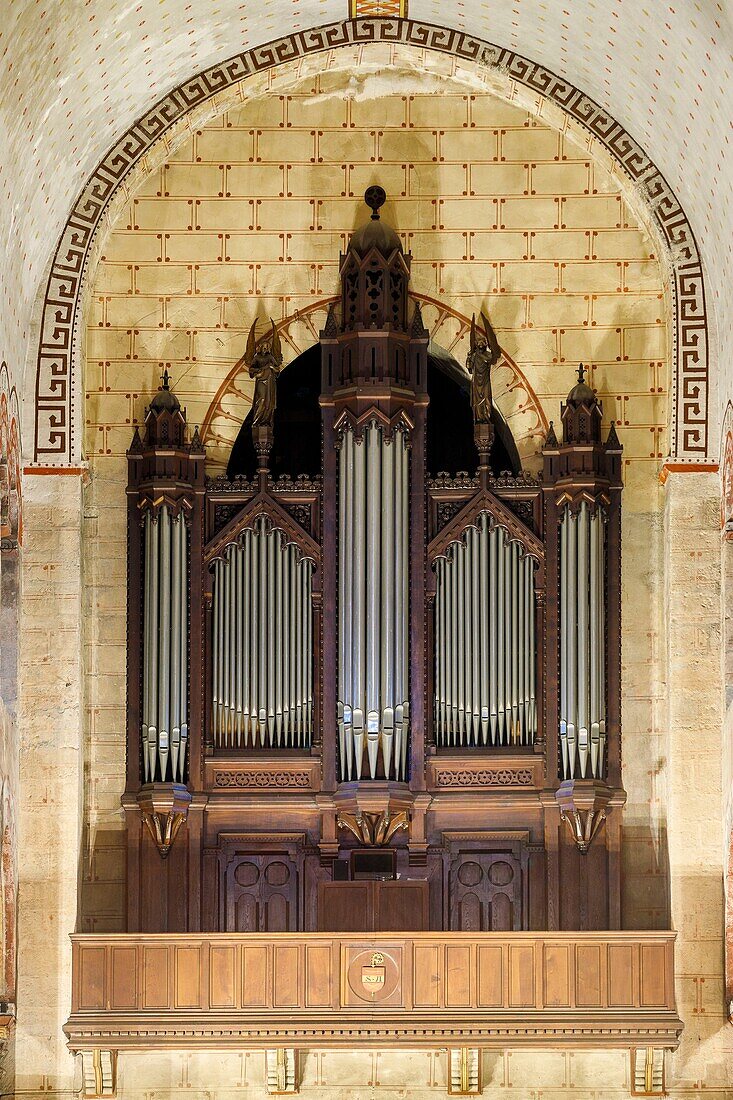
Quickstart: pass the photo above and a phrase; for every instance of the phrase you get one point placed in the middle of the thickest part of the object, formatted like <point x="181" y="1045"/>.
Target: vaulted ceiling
<point x="75" y="75"/>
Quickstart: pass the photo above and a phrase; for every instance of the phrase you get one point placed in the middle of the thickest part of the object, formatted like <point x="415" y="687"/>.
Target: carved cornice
<point x="263" y="504"/>
<point x="500" y="515"/>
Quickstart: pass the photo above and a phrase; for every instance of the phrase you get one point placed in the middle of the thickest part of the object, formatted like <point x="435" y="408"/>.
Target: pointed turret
<point x="582" y="413"/>
<point x="165" y="421"/>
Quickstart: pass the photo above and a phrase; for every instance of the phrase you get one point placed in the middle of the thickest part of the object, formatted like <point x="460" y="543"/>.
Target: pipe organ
<point x="485" y="640"/>
<point x="373" y="602"/>
<point x="377" y="646"/>
<point x="262" y="649"/>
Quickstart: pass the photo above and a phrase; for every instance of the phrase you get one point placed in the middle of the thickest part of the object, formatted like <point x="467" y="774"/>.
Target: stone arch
<point x="513" y="394"/>
<point x="57" y="440"/>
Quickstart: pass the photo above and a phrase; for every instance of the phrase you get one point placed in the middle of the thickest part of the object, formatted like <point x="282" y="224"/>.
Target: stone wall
<point x="51" y="778"/>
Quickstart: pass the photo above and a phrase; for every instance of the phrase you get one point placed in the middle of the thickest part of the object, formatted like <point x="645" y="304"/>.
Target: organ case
<point x="359" y="648"/>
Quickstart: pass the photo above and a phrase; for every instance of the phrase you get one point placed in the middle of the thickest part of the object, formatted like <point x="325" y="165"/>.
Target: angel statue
<point x="264" y="364"/>
<point x="483" y="355"/>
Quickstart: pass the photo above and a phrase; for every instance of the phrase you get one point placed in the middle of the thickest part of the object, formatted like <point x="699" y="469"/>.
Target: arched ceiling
<point x="75" y="75"/>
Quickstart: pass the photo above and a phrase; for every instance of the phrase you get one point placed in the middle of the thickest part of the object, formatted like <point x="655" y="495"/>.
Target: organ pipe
<point x="582" y="639"/>
<point x="484" y="664"/>
<point x="373" y="563"/>
<point x="262" y="686"/>
<point x="165" y="647"/>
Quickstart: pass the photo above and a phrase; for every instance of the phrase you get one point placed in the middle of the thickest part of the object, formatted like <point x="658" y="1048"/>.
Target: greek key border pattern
<point x="55" y="428"/>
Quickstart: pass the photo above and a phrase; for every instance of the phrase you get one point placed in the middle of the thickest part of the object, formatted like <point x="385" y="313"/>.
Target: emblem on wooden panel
<point x="372" y="976"/>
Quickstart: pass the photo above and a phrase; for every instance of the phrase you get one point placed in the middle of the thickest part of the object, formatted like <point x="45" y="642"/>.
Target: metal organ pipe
<point x="165" y="647"/>
<point x="372" y="589"/>
<point x="582" y="640"/>
<point x="261" y="644"/>
<point x="484" y="667"/>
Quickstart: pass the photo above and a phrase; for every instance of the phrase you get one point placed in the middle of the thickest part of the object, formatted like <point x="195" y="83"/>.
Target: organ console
<point x="414" y="646"/>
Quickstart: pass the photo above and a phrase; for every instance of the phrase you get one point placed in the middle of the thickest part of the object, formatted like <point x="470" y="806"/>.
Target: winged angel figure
<point x="264" y="363"/>
<point x="483" y="355"/>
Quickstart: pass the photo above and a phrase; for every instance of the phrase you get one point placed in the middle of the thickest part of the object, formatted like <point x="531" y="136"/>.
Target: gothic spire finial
<point x="581" y="373"/>
<point x="165" y="379"/>
<point x="551" y="440"/>
<point x="375" y="196"/>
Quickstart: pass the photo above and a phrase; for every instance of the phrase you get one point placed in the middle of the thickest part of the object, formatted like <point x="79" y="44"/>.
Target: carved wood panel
<point x="262" y="894"/>
<point x="486" y="884"/>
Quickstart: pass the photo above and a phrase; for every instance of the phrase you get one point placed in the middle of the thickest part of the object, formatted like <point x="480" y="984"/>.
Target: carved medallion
<point x="373" y="977"/>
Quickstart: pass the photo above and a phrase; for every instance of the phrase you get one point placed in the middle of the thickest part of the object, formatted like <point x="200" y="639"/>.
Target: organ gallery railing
<point x="600" y="989"/>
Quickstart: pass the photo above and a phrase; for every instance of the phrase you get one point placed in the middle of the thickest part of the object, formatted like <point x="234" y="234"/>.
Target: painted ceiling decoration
<point x="57" y="437"/>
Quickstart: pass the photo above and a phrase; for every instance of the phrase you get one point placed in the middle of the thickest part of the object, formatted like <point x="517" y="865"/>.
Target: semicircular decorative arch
<point x="514" y="397"/>
<point x="57" y="436"/>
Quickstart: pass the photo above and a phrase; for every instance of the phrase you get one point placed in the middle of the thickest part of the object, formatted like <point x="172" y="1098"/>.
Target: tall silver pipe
<point x="582" y="598"/>
<point x="271" y="620"/>
<point x="500" y="636"/>
<point x="515" y="641"/>
<point x="521" y="648"/>
<point x="600" y="590"/>
<point x="293" y="644"/>
<point x="246" y="629"/>
<point x="147" y="644"/>
<point x="455" y="644"/>
<point x="373" y="591"/>
<point x="239" y="613"/>
<point x="278" y="626"/>
<point x="154" y="634"/>
<point x="183" y="708"/>
<point x="175" y="703"/>
<point x="359" y="605"/>
<point x="400" y="603"/>
<point x="164" y="699"/>
<point x="532" y="656"/>
<point x="404" y="576"/>
<point x="596" y="641"/>
<point x="387" y="601"/>
<point x="484" y="641"/>
<point x="460" y="553"/>
<point x="305" y="649"/>
<point x="571" y="640"/>
<point x="493" y="633"/>
<point x="564" y="672"/>
<point x="309" y="649"/>
<point x="347" y="650"/>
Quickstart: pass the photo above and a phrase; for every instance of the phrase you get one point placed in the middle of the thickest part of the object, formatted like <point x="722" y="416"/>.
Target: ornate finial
<point x="165" y="379"/>
<point x="197" y="446"/>
<point x="551" y="440"/>
<point x="581" y="373"/>
<point x="417" y="328"/>
<point x="375" y="196"/>
<point x="331" y="326"/>
<point x="613" y="441"/>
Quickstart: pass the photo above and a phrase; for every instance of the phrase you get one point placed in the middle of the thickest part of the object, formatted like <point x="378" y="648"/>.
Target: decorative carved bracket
<point x="583" y="807"/>
<point x="281" y="1071"/>
<point x="464" y="1072"/>
<point x="99" y="1073"/>
<point x="164" y="808"/>
<point x="374" y="829"/>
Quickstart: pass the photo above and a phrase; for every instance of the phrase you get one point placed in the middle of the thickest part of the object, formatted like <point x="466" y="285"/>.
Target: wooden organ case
<point x="404" y="645"/>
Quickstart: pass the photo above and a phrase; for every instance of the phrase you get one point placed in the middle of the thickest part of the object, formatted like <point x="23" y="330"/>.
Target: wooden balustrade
<point x="597" y="989"/>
